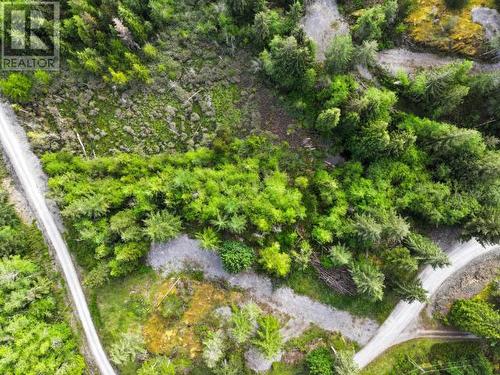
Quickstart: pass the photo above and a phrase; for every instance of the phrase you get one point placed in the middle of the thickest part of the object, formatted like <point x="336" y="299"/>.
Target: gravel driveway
<point x="184" y="252"/>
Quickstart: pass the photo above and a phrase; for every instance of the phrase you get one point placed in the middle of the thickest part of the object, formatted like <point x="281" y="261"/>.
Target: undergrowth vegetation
<point x="36" y="335"/>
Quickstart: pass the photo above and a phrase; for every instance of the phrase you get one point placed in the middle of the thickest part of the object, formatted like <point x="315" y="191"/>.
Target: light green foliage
<point x="328" y="120"/>
<point x="162" y="226"/>
<point x="102" y="39"/>
<point x="374" y="109"/>
<point x="375" y="21"/>
<point x="344" y="363"/>
<point x="267" y="24"/>
<point x="268" y="338"/>
<point x="127" y="348"/>
<point x="244" y="322"/>
<point x="35" y="342"/>
<point x="339" y="54"/>
<point x="209" y="239"/>
<point x="287" y="62"/>
<point x="236" y="257"/>
<point x="213" y="348"/>
<point x="340" y="89"/>
<point x="229" y="192"/>
<point x="17" y="87"/>
<point x="399" y="262"/>
<point x="411" y="290"/>
<point x="339" y="255"/>
<point x="157" y="366"/>
<point x="302" y="255"/>
<point x="368" y="279"/>
<point x="477" y="317"/>
<point x="320" y="361"/>
<point x="275" y="261"/>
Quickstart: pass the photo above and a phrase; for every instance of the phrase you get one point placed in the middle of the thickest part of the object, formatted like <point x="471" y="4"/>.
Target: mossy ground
<point x="432" y="24"/>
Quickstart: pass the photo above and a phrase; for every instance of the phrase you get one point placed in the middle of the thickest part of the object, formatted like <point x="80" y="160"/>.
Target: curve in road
<point x="394" y="328"/>
<point x="17" y="150"/>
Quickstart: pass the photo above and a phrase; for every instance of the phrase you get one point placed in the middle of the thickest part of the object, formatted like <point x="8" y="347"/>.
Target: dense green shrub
<point x="244" y="10"/>
<point x="477" y="317"/>
<point x="328" y="120"/>
<point x="157" y="366"/>
<point x="117" y="205"/>
<point x="236" y="257"/>
<point x="275" y="261"/>
<point x="17" y="87"/>
<point x="320" y="361"/>
<point x="369" y="26"/>
<point x="172" y="307"/>
<point x="439" y="91"/>
<point x="288" y="63"/>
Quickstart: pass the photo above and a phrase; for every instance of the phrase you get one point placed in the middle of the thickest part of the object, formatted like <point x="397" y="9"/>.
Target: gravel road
<point x="395" y="329"/>
<point x="33" y="182"/>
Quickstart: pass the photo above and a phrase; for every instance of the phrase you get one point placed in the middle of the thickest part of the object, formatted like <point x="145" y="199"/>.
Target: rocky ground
<point x="322" y="22"/>
<point x="466" y="283"/>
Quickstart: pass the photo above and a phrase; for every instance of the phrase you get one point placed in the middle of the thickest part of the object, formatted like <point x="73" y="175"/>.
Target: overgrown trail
<point x="175" y="255"/>
<point x="28" y="170"/>
<point x="398" y="326"/>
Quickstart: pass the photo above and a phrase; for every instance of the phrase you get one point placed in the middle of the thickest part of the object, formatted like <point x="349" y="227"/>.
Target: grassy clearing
<point x="431" y="23"/>
<point x="388" y="359"/>
<point x="307" y="283"/>
<point x="425" y="352"/>
<point x="146" y="303"/>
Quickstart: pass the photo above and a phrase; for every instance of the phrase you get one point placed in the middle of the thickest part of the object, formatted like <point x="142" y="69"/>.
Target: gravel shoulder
<point x="465" y="283"/>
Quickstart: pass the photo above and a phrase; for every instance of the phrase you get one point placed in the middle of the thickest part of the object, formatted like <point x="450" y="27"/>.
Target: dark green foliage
<point x="172" y="307"/>
<point x="289" y="63"/>
<point x="455" y="4"/>
<point x="439" y="91"/>
<point x="320" y="361"/>
<point x="244" y="10"/>
<point x="104" y="38"/>
<point x="461" y="358"/>
<point x="477" y="317"/>
<point x="369" y="24"/>
<point x="368" y="279"/>
<point x="236" y="257"/>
